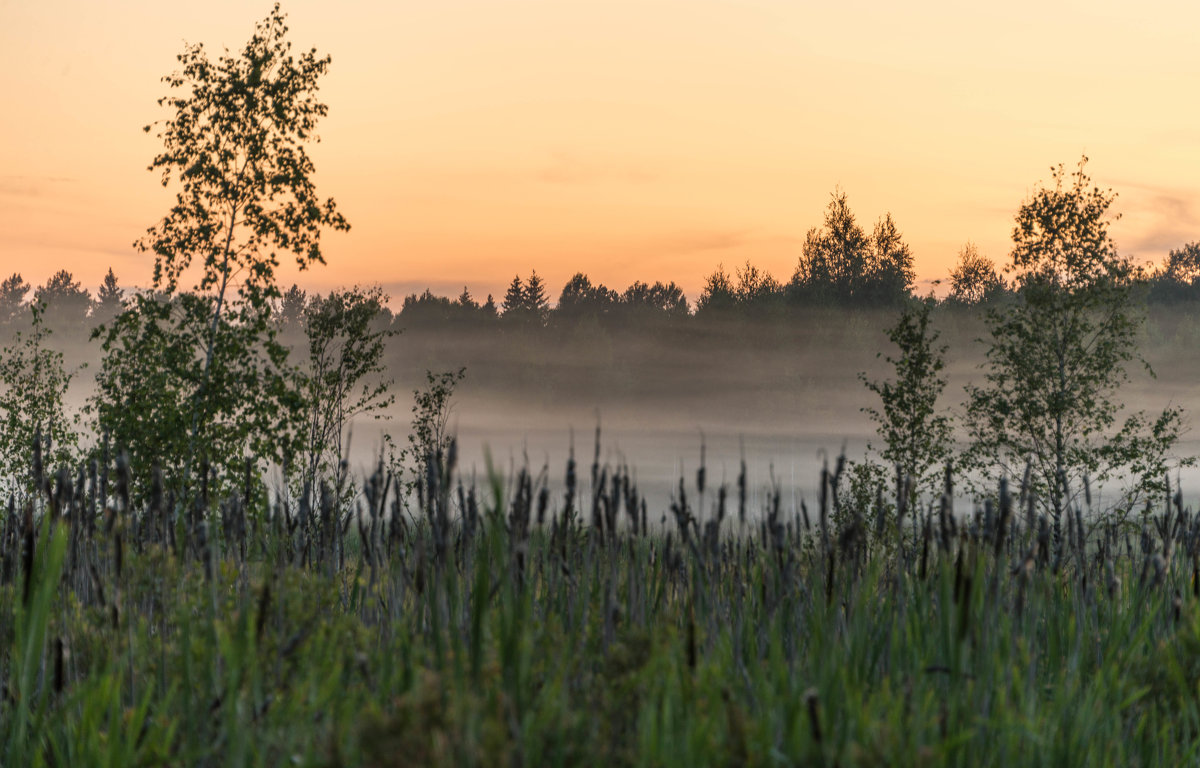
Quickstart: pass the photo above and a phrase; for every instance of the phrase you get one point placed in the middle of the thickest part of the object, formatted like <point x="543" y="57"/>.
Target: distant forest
<point x="841" y="266"/>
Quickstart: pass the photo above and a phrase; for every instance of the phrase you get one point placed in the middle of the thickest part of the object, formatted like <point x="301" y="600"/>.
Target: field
<point x="494" y="625"/>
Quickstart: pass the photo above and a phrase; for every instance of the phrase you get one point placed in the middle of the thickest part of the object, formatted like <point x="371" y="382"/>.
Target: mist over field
<point x="788" y="394"/>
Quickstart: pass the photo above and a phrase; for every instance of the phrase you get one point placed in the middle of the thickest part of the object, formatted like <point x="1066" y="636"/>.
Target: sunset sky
<point x="469" y="140"/>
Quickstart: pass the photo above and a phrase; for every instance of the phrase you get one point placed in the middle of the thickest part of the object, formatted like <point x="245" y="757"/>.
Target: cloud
<point x="1156" y="219"/>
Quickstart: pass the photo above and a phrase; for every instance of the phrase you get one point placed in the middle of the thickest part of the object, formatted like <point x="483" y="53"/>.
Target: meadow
<point x="496" y="624"/>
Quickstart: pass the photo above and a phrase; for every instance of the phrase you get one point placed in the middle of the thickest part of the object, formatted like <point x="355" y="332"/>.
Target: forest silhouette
<point x="841" y="266"/>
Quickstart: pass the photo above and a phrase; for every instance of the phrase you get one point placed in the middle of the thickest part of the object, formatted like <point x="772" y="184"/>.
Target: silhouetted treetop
<point x="665" y="298"/>
<point x="840" y="263"/>
<point x="1183" y="264"/>
<point x="580" y="298"/>
<point x="718" y="294"/>
<point x="1178" y="279"/>
<point x="66" y="301"/>
<point x="527" y="303"/>
<point x="108" y="298"/>
<point x="974" y="279"/>
<point x="290" y="308"/>
<point x="12" y="297"/>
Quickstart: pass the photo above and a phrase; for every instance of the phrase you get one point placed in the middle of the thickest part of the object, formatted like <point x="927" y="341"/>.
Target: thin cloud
<point x="1157" y="219"/>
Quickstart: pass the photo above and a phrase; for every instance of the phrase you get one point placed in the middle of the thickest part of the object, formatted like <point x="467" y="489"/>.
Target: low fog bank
<point x="788" y="394"/>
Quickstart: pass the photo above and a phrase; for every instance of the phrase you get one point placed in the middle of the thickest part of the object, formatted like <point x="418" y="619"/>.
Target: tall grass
<point x="496" y="625"/>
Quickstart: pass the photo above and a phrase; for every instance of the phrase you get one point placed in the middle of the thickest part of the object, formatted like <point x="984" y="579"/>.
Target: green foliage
<point x="559" y="644"/>
<point x="164" y="401"/>
<point x="33" y="388"/>
<point x="431" y="409"/>
<point x="1057" y="357"/>
<point x="197" y="378"/>
<point x="430" y="438"/>
<point x="343" y="376"/>
<point x="916" y="435"/>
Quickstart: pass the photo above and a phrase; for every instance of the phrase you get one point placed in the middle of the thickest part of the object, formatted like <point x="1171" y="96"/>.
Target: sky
<point x="468" y="141"/>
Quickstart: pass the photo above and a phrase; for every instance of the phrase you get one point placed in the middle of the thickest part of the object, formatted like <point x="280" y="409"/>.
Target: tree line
<point x="840" y="266"/>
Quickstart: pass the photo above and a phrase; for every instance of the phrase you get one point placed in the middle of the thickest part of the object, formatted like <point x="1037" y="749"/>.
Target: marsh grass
<point x="495" y="625"/>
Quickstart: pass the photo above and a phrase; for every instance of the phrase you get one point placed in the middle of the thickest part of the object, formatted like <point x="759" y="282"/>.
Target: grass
<point x="498" y="626"/>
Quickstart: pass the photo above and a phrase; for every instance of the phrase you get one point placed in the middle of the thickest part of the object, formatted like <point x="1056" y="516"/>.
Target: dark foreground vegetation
<point x="497" y="626"/>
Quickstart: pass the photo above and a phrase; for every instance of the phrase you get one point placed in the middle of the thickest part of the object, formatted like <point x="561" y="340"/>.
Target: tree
<point x="109" y="300"/>
<point x="537" y="300"/>
<point x="840" y="263"/>
<point x="488" y="311"/>
<point x="342" y="376"/>
<point x="65" y="301"/>
<point x="662" y="299"/>
<point x="33" y="388"/>
<point x="891" y="263"/>
<point x="526" y="303"/>
<point x="1179" y="278"/>
<point x="718" y="294"/>
<point x="290" y="308"/>
<point x="1183" y="264"/>
<point x="974" y="280"/>
<point x="916" y="436"/>
<point x="580" y="299"/>
<point x="235" y="146"/>
<point x="12" y="298"/>
<point x="513" y="305"/>
<point x="1058" y="356"/>
<point x="834" y="258"/>
<point x="756" y="288"/>
<point x="429" y="441"/>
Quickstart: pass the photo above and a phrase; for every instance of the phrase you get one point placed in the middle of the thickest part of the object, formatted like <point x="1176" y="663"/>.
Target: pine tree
<point x="537" y="302"/>
<point x="514" y="299"/>
<point x="12" y="298"/>
<point x="66" y="302"/>
<point x="108" y="299"/>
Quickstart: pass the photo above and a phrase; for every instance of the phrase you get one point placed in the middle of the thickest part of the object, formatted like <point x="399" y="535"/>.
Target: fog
<point x="786" y="395"/>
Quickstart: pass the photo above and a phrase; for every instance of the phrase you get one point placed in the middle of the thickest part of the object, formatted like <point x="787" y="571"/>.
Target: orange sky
<point x="469" y="140"/>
